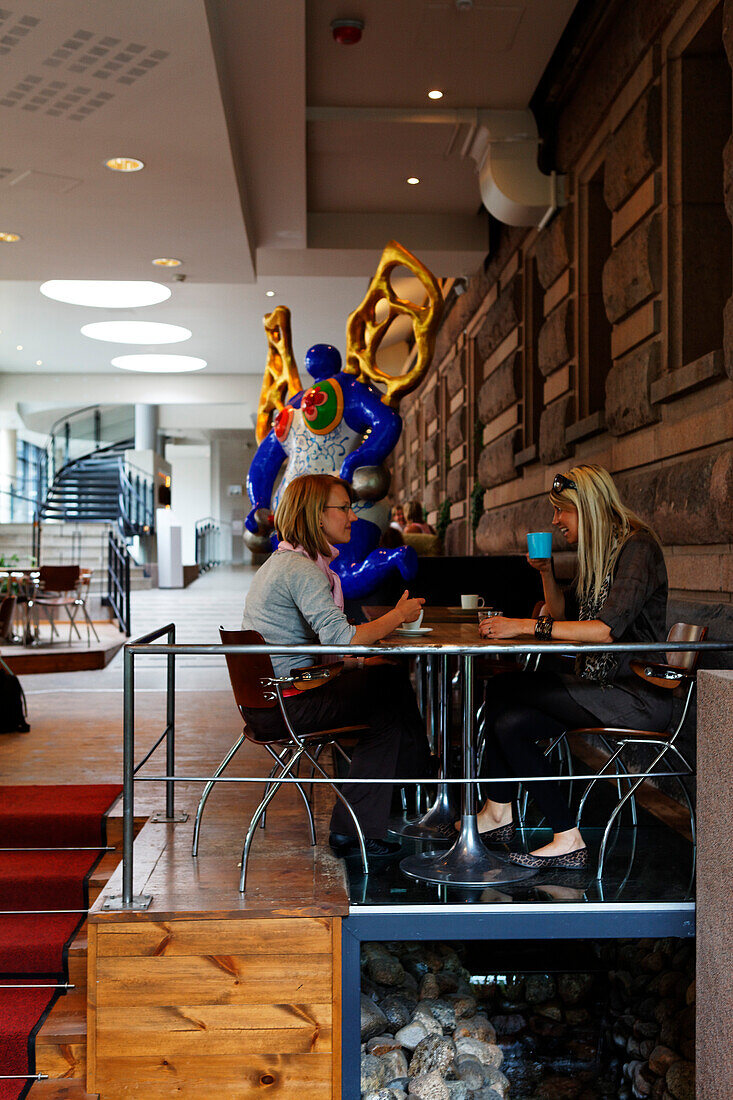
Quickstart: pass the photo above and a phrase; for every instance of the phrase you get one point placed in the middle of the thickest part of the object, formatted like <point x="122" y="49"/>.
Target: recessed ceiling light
<point x="105" y="293"/>
<point x="39" y="362"/>
<point x="412" y="180"/>
<point x="435" y="93"/>
<point x="269" y="293"/>
<point x="167" y="261"/>
<point x="124" y="164"/>
<point x="136" y="332"/>
<point x="9" y="238"/>
<point x="159" y="364"/>
<point x="18" y="347"/>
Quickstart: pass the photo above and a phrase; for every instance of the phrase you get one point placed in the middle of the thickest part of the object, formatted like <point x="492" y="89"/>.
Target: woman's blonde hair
<point x="299" y="511"/>
<point x="604" y="524"/>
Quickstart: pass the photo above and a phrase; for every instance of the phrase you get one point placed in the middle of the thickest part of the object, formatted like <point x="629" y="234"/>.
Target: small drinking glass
<point x="488" y="613"/>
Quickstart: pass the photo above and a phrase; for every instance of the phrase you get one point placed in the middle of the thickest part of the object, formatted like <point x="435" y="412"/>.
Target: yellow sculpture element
<point x="281" y="380"/>
<point x="364" y="332"/>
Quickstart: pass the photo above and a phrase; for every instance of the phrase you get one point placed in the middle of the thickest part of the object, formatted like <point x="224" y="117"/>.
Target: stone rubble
<point x="623" y="1032"/>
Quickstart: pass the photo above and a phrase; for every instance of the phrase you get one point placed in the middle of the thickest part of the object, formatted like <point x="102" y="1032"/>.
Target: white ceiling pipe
<point x="513" y="189"/>
<point x="504" y="145"/>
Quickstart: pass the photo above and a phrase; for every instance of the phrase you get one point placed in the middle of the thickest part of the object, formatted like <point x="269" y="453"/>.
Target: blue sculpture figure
<point x="341" y="424"/>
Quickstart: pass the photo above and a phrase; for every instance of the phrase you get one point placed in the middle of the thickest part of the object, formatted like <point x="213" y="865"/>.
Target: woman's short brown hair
<point x="299" y="511"/>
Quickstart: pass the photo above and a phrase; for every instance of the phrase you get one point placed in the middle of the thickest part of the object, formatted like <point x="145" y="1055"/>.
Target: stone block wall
<point x="604" y="337"/>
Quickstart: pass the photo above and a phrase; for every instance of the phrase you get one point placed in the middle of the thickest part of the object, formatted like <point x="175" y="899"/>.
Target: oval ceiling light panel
<point x="136" y="332"/>
<point x="105" y="293"/>
<point x="159" y="364"/>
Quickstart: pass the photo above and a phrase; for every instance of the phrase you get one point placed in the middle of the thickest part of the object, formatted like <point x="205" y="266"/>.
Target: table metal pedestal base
<point x="442" y="812"/>
<point x="467" y="863"/>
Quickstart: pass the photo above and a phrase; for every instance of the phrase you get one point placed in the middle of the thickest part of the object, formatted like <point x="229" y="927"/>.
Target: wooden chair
<point x="67" y="587"/>
<point x="678" y="672"/>
<point x="7" y="614"/>
<point x="255" y="686"/>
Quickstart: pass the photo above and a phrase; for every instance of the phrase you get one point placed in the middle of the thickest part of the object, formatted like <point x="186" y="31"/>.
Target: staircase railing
<point x="136" y="500"/>
<point x="86" y="424"/>
<point x="208" y="542"/>
<point x="118" y="581"/>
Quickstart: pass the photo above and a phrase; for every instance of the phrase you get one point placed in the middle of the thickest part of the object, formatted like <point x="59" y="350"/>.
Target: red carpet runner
<point x="33" y="946"/>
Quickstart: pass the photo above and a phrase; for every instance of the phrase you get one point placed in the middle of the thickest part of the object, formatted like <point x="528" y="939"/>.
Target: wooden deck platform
<point x="65" y="656"/>
<point x="207" y="993"/>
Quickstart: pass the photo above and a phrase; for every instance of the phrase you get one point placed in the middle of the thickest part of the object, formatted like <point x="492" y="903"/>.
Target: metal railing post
<point x="170" y="741"/>
<point x="128" y="776"/>
<point x="127" y="595"/>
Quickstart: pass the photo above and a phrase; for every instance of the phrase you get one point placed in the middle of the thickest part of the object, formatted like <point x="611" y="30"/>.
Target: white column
<point x="146" y="428"/>
<point x="8" y="469"/>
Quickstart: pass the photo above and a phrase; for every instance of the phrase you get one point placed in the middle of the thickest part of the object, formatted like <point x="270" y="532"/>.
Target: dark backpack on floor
<point x="12" y="704"/>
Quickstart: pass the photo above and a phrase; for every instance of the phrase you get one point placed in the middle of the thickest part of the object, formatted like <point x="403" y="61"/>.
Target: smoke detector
<point x="347" y="32"/>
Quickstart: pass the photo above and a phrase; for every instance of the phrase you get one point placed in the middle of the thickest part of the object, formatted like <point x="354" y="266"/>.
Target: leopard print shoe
<point x="571" y="861"/>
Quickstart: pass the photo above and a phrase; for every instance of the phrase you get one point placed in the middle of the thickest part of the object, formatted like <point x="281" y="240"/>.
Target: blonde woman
<point x="296" y="599"/>
<point x="620" y="594"/>
<point x="415" y="520"/>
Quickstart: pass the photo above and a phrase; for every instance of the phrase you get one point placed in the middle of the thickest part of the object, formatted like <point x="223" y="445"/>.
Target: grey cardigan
<point x="290" y="603"/>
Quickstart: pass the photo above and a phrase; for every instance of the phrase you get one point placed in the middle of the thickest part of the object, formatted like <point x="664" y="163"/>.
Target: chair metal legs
<point x="280" y="762"/>
<point x="207" y="791"/>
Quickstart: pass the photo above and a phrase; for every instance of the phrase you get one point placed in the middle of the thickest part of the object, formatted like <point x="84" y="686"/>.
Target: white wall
<point x="230" y="459"/>
<point x="190" y="491"/>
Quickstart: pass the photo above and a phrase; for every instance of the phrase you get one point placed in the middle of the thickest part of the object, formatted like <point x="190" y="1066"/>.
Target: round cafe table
<point x="468" y="862"/>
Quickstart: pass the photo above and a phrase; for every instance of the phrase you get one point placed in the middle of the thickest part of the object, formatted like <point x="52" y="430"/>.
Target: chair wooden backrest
<point x="685" y="632"/>
<point x="684" y="660"/>
<point x="247" y="669"/>
<point x="59" y="578"/>
<point x="7" y="610"/>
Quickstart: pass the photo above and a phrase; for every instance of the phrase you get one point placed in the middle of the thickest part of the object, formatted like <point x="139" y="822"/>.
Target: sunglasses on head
<point x="560" y="484"/>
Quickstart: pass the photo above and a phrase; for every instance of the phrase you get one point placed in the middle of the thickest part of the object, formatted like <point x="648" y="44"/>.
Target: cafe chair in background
<point x="255" y="686"/>
<point x="64" y="587"/>
<point x="7" y="614"/>
<point x="678" y="673"/>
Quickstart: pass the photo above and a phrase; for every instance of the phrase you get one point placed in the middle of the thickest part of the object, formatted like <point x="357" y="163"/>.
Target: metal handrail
<point x="144" y="645"/>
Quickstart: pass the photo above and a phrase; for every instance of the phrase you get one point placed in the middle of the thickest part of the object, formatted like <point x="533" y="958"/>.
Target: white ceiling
<point x="213" y="95"/>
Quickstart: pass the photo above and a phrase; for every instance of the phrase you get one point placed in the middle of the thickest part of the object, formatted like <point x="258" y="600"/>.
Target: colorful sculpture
<point x="342" y="424"/>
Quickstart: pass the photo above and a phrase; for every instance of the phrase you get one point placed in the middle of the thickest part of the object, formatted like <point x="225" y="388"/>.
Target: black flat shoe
<point x="571" y="861"/>
<point x="345" y="845"/>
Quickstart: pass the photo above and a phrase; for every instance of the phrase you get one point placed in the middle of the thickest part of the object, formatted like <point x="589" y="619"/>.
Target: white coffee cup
<point x="471" y="602"/>
<point x="415" y="625"/>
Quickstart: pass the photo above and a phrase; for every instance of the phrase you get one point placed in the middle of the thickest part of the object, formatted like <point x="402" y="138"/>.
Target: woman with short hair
<point x="620" y="594"/>
<point x="296" y="599"/>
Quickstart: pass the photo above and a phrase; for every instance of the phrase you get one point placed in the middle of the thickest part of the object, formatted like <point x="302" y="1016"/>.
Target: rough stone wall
<point x="477" y="457"/>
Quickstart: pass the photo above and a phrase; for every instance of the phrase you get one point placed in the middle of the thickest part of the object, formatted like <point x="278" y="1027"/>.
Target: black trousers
<point x="393" y="746"/>
<point x="524" y="708"/>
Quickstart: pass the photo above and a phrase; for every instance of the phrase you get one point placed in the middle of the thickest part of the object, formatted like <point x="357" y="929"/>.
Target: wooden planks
<point x="211" y="1007"/>
<point x="289" y="1077"/>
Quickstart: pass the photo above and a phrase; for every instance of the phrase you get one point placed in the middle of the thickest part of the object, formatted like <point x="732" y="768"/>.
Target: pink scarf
<point x="324" y="564"/>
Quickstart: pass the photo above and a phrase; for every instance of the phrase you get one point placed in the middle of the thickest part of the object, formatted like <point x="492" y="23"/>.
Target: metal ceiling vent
<point x="86" y="55"/>
<point x="13" y="31"/>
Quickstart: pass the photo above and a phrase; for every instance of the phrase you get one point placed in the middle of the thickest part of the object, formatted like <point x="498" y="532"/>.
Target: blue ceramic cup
<point x="539" y="544"/>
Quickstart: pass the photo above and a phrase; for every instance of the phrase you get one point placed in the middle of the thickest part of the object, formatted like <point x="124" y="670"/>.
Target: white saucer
<point x="420" y="630"/>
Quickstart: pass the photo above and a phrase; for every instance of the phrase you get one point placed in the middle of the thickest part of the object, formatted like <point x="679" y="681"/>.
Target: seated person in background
<point x="398" y="520"/>
<point x="296" y="599"/>
<point x="621" y="587"/>
<point x="416" y="524"/>
<point x="391" y="538"/>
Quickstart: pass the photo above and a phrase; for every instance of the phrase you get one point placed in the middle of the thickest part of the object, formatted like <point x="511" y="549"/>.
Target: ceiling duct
<point x="505" y="145"/>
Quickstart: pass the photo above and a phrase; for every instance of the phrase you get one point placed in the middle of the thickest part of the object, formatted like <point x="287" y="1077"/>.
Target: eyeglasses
<point x="560" y="483"/>
<point x="345" y="508"/>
